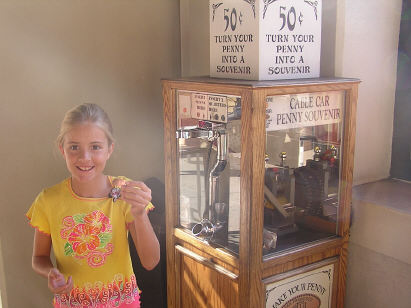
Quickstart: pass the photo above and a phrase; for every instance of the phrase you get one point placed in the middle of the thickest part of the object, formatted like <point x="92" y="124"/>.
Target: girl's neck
<point x="98" y="188"/>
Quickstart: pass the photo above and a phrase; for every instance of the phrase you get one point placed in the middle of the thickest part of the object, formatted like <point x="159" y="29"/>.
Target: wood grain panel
<point x="258" y="113"/>
<point x="316" y="248"/>
<point x="346" y="186"/>
<point x="245" y="196"/>
<point x="342" y="278"/>
<point x="177" y="280"/>
<point x="205" y="87"/>
<point x="212" y="251"/>
<point x="287" y="90"/>
<point x="170" y="161"/>
<point x="302" y="261"/>
<point x="212" y="258"/>
<point x="203" y="287"/>
<point x="348" y="160"/>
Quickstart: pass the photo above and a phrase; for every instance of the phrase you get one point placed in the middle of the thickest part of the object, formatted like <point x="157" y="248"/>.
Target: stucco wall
<point x="366" y="48"/>
<point x="57" y="54"/>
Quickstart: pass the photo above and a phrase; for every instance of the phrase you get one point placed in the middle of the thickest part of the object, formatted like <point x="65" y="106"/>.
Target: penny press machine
<point x="258" y="190"/>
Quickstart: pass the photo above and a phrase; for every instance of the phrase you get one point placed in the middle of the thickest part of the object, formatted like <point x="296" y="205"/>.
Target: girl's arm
<point x="146" y="242"/>
<point x="40" y="261"/>
<point x="42" y="264"/>
<point x="138" y="195"/>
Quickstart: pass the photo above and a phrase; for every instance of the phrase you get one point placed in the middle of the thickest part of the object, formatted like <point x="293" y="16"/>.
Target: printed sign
<point x="312" y="289"/>
<point x="199" y="106"/>
<point x="233" y="39"/>
<point x="217" y="108"/>
<point x="265" y="39"/>
<point x="206" y="106"/>
<point x="302" y="110"/>
<point x="184" y="105"/>
<point x="291" y="39"/>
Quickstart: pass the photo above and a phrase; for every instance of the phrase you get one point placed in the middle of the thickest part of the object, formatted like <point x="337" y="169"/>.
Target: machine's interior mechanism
<point x="301" y="179"/>
<point x="209" y="177"/>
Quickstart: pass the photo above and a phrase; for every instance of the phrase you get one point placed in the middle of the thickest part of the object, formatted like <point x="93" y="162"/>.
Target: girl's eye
<point x="74" y="147"/>
<point x="96" y="147"/>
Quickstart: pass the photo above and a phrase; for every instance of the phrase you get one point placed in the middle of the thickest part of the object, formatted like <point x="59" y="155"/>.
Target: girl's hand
<point x="57" y="283"/>
<point x="138" y="195"/>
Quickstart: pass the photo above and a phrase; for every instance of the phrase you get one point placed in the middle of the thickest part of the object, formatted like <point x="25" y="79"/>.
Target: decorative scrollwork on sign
<point x="215" y="7"/>
<point x="328" y="272"/>
<point x="314" y="6"/>
<point x="266" y="4"/>
<point x="252" y="3"/>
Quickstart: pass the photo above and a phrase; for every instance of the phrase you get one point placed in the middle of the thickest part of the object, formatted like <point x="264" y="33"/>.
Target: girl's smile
<point x="86" y="150"/>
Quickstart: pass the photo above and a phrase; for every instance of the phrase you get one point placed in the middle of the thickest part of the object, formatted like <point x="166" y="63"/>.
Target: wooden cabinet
<point x="258" y="191"/>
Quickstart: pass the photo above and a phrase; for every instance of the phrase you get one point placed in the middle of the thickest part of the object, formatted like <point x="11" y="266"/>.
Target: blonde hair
<point x="86" y="113"/>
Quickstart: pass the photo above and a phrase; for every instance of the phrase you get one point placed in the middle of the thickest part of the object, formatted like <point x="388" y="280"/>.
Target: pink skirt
<point x="134" y="304"/>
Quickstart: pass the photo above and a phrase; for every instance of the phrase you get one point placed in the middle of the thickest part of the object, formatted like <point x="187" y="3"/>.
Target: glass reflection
<point x="302" y="168"/>
<point x="208" y="141"/>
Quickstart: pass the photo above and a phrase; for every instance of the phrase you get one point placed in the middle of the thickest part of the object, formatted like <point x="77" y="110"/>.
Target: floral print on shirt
<point x="88" y="237"/>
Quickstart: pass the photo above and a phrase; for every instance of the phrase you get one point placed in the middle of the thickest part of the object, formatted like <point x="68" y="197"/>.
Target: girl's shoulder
<point x="56" y="190"/>
<point x="41" y="208"/>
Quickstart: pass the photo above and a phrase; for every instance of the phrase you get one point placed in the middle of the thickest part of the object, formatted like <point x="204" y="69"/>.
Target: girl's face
<point x="86" y="151"/>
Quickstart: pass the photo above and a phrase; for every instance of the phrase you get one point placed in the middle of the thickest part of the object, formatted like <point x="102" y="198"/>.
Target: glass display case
<point x="258" y="187"/>
<point x="302" y="168"/>
<point x="208" y="144"/>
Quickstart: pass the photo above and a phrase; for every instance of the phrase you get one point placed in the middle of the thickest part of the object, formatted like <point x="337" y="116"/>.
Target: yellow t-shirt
<point x="89" y="237"/>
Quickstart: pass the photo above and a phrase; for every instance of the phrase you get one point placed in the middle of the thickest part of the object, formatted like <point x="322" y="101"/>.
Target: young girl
<point x="87" y="222"/>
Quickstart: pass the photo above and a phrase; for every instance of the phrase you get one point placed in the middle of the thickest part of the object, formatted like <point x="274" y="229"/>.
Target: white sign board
<point x="212" y="107"/>
<point x="312" y="289"/>
<point x="184" y="104"/>
<point x="302" y="110"/>
<point x="217" y="108"/>
<point x="199" y="106"/>
<point x="265" y="39"/>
